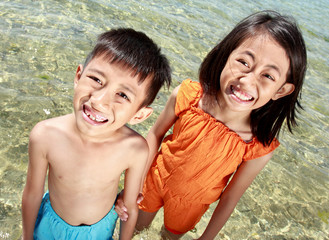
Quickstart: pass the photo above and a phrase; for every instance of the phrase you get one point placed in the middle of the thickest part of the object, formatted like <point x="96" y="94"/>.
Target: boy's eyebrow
<point x="97" y="71"/>
<point x="125" y="87"/>
<point x="249" y="53"/>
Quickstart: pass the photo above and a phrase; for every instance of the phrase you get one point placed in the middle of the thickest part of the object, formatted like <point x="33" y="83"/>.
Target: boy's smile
<point x="107" y="96"/>
<point x="254" y="74"/>
<point x="93" y="117"/>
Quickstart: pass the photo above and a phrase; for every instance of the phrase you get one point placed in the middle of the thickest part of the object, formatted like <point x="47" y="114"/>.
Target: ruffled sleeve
<point x="255" y="149"/>
<point x="188" y="95"/>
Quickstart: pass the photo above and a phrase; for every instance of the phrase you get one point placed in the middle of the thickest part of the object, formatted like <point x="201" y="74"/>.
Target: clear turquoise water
<point x="42" y="42"/>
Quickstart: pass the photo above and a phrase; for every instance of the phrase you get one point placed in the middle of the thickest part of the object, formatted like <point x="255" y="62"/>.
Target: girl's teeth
<point x="241" y="95"/>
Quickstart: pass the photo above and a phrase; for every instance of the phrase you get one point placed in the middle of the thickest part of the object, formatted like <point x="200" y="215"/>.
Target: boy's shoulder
<point x="133" y="138"/>
<point x="133" y="142"/>
<point x="57" y="122"/>
<point x="50" y="126"/>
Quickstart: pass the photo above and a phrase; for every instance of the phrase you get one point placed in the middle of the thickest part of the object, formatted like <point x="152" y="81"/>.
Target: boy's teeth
<point x="97" y="118"/>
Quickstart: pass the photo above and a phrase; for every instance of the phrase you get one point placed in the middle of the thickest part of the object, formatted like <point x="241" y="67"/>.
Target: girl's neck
<point x="238" y="122"/>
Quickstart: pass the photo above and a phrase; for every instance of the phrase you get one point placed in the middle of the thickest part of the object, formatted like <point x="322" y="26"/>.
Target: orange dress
<point x="195" y="163"/>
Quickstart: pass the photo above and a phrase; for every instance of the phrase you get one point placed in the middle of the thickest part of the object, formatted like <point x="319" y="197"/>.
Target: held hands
<point x="120" y="207"/>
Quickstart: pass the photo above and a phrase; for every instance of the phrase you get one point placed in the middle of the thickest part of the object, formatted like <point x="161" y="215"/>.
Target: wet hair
<point x="267" y="120"/>
<point x="135" y="51"/>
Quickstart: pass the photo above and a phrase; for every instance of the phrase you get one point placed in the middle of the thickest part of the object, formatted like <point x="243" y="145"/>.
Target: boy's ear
<point x="285" y="90"/>
<point x="78" y="74"/>
<point x="141" y="115"/>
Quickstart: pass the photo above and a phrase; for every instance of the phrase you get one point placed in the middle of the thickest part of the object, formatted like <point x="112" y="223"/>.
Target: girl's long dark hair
<point x="266" y="121"/>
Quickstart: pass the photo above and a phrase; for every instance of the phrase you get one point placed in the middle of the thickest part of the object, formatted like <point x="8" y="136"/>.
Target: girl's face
<point x="255" y="73"/>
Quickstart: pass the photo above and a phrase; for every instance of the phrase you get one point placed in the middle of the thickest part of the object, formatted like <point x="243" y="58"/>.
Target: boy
<point x="85" y="152"/>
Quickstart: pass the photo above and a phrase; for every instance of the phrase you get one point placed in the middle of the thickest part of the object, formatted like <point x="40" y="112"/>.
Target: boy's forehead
<point x="108" y="62"/>
<point x="108" y="69"/>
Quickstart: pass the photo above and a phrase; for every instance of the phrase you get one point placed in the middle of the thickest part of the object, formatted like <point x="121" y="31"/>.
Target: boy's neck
<point x="87" y="139"/>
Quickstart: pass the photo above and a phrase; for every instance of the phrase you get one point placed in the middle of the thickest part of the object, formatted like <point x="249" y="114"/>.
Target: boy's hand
<point x="120" y="207"/>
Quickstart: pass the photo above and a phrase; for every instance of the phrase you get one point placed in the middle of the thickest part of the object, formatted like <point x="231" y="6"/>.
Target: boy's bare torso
<point x="83" y="175"/>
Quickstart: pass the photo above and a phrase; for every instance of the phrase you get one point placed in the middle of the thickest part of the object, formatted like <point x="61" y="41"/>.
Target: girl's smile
<point x="240" y="95"/>
<point x="254" y="74"/>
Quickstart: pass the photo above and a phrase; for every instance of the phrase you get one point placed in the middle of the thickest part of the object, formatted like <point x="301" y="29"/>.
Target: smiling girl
<point x="225" y="126"/>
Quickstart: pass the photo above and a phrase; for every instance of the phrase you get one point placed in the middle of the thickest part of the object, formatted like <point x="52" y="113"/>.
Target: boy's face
<point x="106" y="97"/>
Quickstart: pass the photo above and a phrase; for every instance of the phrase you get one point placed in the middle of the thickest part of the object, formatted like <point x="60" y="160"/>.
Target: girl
<point x="227" y="124"/>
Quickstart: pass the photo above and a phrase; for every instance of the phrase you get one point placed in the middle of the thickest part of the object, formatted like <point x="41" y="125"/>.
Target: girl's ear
<point x="285" y="90"/>
<point x="78" y="74"/>
<point x="141" y="115"/>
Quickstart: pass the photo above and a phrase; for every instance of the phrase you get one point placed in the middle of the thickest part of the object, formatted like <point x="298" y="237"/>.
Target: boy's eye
<point x="96" y="80"/>
<point x="121" y="94"/>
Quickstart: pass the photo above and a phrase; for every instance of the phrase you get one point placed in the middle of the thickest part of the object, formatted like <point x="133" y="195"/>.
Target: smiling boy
<point x="85" y="152"/>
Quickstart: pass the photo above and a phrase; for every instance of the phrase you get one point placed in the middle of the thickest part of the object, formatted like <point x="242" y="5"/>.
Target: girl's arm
<point x="35" y="180"/>
<point x="164" y="122"/>
<point x="241" y="180"/>
<point x="154" y="138"/>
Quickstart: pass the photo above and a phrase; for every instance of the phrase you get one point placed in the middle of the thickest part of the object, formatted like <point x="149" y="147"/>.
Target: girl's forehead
<point x="264" y="49"/>
<point x="260" y="41"/>
<point x="262" y="45"/>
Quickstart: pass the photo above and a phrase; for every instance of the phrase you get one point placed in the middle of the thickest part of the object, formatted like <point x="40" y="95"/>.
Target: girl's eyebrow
<point x="249" y="53"/>
<point x="274" y="67"/>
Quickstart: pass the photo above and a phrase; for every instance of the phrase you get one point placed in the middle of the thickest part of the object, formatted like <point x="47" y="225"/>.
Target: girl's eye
<point x="243" y="62"/>
<point x="121" y="94"/>
<point x="269" y="77"/>
<point x="96" y="80"/>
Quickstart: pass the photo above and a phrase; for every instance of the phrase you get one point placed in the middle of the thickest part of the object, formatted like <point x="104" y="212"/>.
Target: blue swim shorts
<point x="50" y="226"/>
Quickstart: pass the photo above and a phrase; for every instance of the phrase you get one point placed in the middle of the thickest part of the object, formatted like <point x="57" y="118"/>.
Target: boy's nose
<point x="102" y="99"/>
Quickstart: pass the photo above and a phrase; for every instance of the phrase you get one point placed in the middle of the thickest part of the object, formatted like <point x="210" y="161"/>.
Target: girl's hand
<point x="120" y="207"/>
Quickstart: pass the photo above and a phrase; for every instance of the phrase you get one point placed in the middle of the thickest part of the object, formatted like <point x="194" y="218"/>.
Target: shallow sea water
<point x="42" y="42"/>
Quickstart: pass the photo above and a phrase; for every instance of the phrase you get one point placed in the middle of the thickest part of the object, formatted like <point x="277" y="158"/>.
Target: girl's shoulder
<point x="189" y="94"/>
<point x="255" y="149"/>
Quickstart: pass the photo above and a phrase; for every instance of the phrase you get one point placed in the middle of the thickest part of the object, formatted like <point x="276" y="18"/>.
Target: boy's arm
<point x="163" y="123"/>
<point x="133" y="179"/>
<point x="241" y="180"/>
<point x="154" y="138"/>
<point x="35" y="180"/>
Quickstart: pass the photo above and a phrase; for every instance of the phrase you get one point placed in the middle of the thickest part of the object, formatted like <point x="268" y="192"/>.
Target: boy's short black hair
<point x="136" y="51"/>
<point x="266" y="121"/>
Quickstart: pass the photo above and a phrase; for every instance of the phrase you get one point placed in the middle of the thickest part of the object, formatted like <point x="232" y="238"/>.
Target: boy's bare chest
<point x="72" y="162"/>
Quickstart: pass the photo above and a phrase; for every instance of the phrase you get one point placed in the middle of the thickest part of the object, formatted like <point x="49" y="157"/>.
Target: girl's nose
<point x="249" y="78"/>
